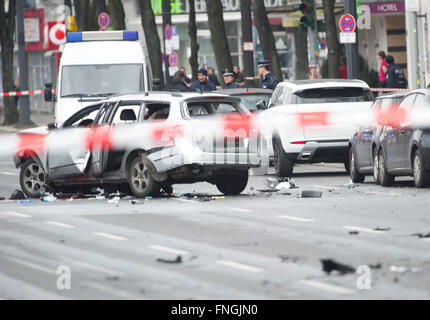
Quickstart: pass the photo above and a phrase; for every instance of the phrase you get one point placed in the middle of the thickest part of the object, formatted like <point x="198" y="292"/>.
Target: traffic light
<point x="307" y="7"/>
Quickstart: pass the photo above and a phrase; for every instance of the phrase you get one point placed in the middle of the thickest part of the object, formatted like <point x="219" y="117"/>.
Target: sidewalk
<point x="40" y="119"/>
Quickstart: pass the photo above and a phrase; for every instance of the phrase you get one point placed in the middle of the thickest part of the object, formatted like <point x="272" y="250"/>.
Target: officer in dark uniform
<point x="228" y="75"/>
<point x="202" y="84"/>
<point x="267" y="79"/>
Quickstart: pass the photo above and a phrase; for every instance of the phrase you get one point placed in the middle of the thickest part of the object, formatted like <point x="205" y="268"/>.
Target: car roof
<point x="241" y="91"/>
<point x="165" y="96"/>
<point x="298" y="85"/>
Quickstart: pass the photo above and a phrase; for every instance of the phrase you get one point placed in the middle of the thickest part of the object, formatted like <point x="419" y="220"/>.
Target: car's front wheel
<point x="385" y="179"/>
<point x="141" y="182"/>
<point x="283" y="165"/>
<point x="32" y="178"/>
<point x="355" y="175"/>
<point x="376" y="168"/>
<point x="421" y="175"/>
<point x="232" y="184"/>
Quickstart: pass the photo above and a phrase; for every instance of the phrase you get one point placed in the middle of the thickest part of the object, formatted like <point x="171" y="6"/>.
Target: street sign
<point x="103" y="20"/>
<point x="347" y="23"/>
<point x="348" y="37"/>
<point x="412" y="5"/>
<point x="57" y="34"/>
<point x="168" y="33"/>
<point x="248" y="46"/>
<point x="173" y="59"/>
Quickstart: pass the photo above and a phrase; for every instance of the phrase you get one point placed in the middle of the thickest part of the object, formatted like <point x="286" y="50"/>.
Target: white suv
<point x="297" y="121"/>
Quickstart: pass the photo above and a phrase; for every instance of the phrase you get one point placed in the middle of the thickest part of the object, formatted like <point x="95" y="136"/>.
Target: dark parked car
<point x="404" y="144"/>
<point x="254" y="99"/>
<point x="363" y="145"/>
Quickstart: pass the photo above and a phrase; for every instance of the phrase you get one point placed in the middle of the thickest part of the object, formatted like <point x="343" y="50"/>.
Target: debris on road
<point x="382" y="229"/>
<point x="137" y="202"/>
<point x="398" y="269"/>
<point x="286" y="258"/>
<point x="421" y="235"/>
<point x="18" y="195"/>
<point x="311" y="194"/>
<point x="330" y="265"/>
<point x="112" y="278"/>
<point x="177" y="260"/>
<point x="354" y="232"/>
<point x="375" y="266"/>
<point x="350" y="184"/>
<point x="114" y="200"/>
<point x="48" y="198"/>
<point x="26" y="201"/>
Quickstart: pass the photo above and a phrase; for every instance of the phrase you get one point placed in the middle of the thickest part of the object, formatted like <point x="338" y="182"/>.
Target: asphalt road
<point x="258" y="245"/>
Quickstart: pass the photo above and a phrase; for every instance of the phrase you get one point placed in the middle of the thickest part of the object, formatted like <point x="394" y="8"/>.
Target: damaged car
<point x="143" y="143"/>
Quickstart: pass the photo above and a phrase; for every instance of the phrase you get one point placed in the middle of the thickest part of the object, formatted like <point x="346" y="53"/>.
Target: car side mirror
<point x="51" y="126"/>
<point x="48" y="92"/>
<point x="261" y="105"/>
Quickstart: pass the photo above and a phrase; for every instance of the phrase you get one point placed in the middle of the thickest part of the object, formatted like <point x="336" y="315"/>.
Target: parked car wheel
<point x="376" y="168"/>
<point x="32" y="178"/>
<point x="355" y="175"/>
<point x="233" y="184"/>
<point x="283" y="165"/>
<point x="385" y="179"/>
<point x="421" y="175"/>
<point x="141" y="182"/>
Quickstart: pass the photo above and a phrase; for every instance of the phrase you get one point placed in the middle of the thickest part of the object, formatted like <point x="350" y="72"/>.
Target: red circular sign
<point x="103" y="20"/>
<point x="57" y="34"/>
<point x="347" y="23"/>
<point x="173" y="59"/>
<point x="168" y="32"/>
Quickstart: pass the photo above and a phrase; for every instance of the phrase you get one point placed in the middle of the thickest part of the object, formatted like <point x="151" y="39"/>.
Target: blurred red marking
<point x="298" y="142"/>
<point x="167" y="133"/>
<point x="234" y="123"/>
<point x="392" y="116"/>
<point x="99" y="138"/>
<point x="307" y="119"/>
<point x="31" y="143"/>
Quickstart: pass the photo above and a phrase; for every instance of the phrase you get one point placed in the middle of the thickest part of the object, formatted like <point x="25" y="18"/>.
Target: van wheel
<point x="421" y="175"/>
<point x="283" y="165"/>
<point x="232" y="185"/>
<point x="32" y="178"/>
<point x="141" y="182"/>
<point x="355" y="175"/>
<point x="385" y="179"/>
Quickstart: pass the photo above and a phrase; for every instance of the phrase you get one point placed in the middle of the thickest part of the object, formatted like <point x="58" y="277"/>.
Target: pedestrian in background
<point x="383" y="67"/>
<point x="267" y="79"/>
<point x="343" y="69"/>
<point x="228" y="75"/>
<point x="187" y="80"/>
<point x="238" y="76"/>
<point x="212" y="76"/>
<point x="202" y="84"/>
<point x="178" y="83"/>
<point x="312" y="72"/>
<point x="395" y="75"/>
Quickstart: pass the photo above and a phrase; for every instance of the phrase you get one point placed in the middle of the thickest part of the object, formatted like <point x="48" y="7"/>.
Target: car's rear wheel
<point x="232" y="184"/>
<point x="376" y="168"/>
<point x="355" y="175"/>
<point x="141" y="182"/>
<point x="385" y="179"/>
<point x="32" y="178"/>
<point x="283" y="165"/>
<point x="421" y="175"/>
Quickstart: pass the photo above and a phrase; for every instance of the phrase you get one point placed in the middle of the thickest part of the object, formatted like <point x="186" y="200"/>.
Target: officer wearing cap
<point x="267" y="79"/>
<point x="202" y="84"/>
<point x="228" y="75"/>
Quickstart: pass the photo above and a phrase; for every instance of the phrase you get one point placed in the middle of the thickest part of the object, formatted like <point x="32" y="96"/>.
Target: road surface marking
<point x="295" y="218"/>
<point x="31" y="265"/>
<point x="184" y="200"/>
<point x="17" y="214"/>
<point x="239" y="266"/>
<point x="94" y="267"/>
<point x="109" y="236"/>
<point x="111" y="291"/>
<point x="383" y="193"/>
<point x="327" y="286"/>
<point x="59" y="224"/>
<point x="8" y="173"/>
<point x="363" y="229"/>
<point x="240" y="210"/>
<point x="167" y="249"/>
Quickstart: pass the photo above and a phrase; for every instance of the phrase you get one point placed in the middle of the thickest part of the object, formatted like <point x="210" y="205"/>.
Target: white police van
<point x="97" y="64"/>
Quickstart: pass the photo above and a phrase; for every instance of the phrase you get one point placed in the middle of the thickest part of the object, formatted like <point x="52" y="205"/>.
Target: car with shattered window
<point x="144" y="142"/>
<point x="254" y="99"/>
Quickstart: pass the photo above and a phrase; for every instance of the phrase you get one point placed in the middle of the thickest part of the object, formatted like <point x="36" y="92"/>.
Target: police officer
<point x="202" y="84"/>
<point x="267" y="79"/>
<point x="228" y="75"/>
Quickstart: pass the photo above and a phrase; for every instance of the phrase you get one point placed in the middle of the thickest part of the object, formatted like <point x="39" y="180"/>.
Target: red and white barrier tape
<point x="388" y="90"/>
<point x="23" y="93"/>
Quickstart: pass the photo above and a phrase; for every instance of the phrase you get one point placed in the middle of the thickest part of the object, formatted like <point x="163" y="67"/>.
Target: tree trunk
<point x="85" y="12"/>
<point x="192" y="32"/>
<point x="333" y="58"/>
<point x="301" y="53"/>
<point x="152" y="39"/>
<point x="267" y="39"/>
<point x="118" y="15"/>
<point x="7" y="31"/>
<point x="220" y="47"/>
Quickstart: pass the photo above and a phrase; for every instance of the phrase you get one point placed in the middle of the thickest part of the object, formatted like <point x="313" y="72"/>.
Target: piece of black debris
<point x="421" y="235"/>
<point x="285" y="258"/>
<point x="354" y="232"/>
<point x="311" y="194"/>
<point x="177" y="260"/>
<point x="137" y="202"/>
<point x="375" y="266"/>
<point x="112" y="278"/>
<point x="2" y="198"/>
<point x="330" y="265"/>
<point x="18" y="195"/>
<point x="382" y="229"/>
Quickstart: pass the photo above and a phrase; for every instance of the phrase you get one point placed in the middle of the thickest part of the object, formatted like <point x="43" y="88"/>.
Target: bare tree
<point x="333" y="47"/>
<point x="85" y="12"/>
<point x="220" y="47"/>
<point x="152" y="38"/>
<point x="267" y="39"/>
<point x="7" y="32"/>
<point x="192" y="32"/>
<point x="116" y="10"/>
<point x="301" y="49"/>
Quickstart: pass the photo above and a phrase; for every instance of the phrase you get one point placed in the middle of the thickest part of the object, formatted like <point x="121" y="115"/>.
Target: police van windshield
<point x="327" y="95"/>
<point x="101" y="80"/>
